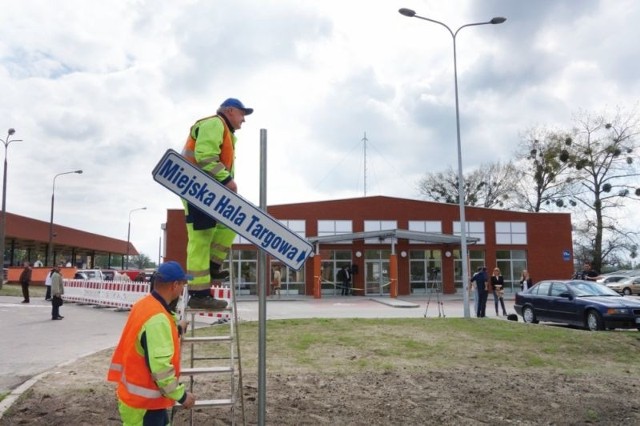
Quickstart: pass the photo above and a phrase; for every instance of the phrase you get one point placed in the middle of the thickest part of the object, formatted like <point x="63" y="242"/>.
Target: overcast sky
<point x="108" y="87"/>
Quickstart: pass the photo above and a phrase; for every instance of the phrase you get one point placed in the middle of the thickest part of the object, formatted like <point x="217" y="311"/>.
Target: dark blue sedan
<point x="580" y="303"/>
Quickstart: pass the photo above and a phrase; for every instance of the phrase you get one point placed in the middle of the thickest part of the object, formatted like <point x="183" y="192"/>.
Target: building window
<point x="430" y="226"/>
<point x="474" y="230"/>
<point x="297" y="226"/>
<point x="332" y="262"/>
<point x="511" y="264"/>
<point x="245" y="267"/>
<point x="335" y="227"/>
<point x="476" y="260"/>
<point x="511" y="233"/>
<point x="425" y="268"/>
<point x="379" y="225"/>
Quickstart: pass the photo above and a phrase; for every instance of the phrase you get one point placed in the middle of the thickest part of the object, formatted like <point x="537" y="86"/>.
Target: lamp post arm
<point x="53" y="192"/>
<point x="126" y="264"/>
<point x="440" y="23"/>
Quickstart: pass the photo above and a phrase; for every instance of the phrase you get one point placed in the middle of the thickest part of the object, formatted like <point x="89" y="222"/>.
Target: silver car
<point x="627" y="286"/>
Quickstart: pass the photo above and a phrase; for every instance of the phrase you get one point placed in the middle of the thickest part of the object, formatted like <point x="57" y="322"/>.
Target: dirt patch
<point x="78" y="395"/>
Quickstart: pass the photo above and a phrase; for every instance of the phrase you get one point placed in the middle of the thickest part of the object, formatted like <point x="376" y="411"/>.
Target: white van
<point x="89" y="274"/>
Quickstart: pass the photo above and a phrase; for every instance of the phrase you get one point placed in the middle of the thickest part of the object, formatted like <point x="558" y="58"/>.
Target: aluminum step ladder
<point x="212" y="361"/>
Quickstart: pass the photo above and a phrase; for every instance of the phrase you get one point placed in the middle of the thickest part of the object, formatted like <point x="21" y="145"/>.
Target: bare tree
<point x="489" y="186"/>
<point x="602" y="157"/>
<point x="541" y="183"/>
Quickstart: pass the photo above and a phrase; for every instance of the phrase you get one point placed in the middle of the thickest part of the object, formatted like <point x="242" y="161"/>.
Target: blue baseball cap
<point x="235" y="103"/>
<point x="172" y="271"/>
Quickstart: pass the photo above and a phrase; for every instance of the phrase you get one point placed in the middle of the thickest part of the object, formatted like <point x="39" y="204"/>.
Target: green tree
<point x="142" y="261"/>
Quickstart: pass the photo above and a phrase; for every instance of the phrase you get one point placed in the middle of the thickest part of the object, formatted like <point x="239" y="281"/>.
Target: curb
<point x="395" y="303"/>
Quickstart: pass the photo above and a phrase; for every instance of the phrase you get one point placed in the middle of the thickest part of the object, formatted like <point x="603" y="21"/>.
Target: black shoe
<point x="57" y="318"/>
<point x="221" y="274"/>
<point x="25" y="301"/>
<point x="48" y="299"/>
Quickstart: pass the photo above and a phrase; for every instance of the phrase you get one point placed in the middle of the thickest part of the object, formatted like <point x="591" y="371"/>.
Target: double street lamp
<point x="126" y="264"/>
<point x="463" y="226"/>
<point x="3" y="218"/>
<point x="53" y="191"/>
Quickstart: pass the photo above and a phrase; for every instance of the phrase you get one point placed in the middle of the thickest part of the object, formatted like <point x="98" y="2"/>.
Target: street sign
<point x="566" y="255"/>
<point x="186" y="180"/>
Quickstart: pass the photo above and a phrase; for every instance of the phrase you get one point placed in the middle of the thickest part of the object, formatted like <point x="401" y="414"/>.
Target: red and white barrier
<point x="123" y="294"/>
<point x="113" y="294"/>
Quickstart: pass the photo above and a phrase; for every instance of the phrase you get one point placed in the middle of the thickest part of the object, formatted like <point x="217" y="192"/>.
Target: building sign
<point x="566" y="255"/>
<point x="184" y="179"/>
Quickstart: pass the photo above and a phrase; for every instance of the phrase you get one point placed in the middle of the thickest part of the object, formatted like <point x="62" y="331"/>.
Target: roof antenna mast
<point x="364" y="139"/>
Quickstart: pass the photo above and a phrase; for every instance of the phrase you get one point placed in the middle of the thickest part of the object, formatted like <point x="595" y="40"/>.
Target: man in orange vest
<point x="146" y="362"/>
<point x="211" y="147"/>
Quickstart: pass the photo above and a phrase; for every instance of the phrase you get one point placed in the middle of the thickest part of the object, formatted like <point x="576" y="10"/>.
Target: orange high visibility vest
<point x="226" y="150"/>
<point x="128" y="368"/>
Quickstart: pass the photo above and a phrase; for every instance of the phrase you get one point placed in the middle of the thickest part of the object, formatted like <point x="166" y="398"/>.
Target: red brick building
<point x="421" y="240"/>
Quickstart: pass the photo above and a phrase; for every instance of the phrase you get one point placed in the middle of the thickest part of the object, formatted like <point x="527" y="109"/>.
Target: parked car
<point x="580" y="303"/>
<point x="90" y="274"/>
<point x="80" y="276"/>
<point x="606" y="279"/>
<point x="113" y="275"/>
<point x="627" y="286"/>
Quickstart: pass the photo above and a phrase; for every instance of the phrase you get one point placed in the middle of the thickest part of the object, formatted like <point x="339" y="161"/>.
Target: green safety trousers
<point x="131" y="416"/>
<point x="208" y="246"/>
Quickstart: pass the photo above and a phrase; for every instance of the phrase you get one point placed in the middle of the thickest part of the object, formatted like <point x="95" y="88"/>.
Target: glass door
<point x="376" y="277"/>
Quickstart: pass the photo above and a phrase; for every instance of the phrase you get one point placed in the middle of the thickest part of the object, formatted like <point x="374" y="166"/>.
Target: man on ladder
<point x="211" y="147"/>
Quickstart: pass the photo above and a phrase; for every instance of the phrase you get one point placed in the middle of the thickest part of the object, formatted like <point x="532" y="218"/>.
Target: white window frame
<point x="335" y="227"/>
<point x="430" y="226"/>
<point x="379" y="225"/>
<point x="474" y="230"/>
<point x="511" y="233"/>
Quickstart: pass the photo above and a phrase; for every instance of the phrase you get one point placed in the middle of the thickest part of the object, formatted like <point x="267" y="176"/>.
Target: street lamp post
<point x="3" y="218"/>
<point x="53" y="192"/>
<point x="463" y="226"/>
<point x="129" y="236"/>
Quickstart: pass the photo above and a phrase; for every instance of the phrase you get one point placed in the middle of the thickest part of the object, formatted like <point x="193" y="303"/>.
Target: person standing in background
<point x="25" y="280"/>
<point x="276" y="283"/>
<point x="588" y="273"/>
<point x="481" y="280"/>
<point x="497" y="282"/>
<point x="57" y="290"/>
<point x="345" y="278"/>
<point x="525" y="280"/>
<point x="47" y="284"/>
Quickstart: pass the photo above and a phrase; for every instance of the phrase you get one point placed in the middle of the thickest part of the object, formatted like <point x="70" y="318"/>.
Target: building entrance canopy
<point x="425" y="237"/>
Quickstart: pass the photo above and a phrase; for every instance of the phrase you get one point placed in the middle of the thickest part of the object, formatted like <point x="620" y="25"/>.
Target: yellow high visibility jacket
<point x="211" y="146"/>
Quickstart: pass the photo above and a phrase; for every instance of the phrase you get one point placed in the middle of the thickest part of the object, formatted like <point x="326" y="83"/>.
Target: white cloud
<point x="107" y="88"/>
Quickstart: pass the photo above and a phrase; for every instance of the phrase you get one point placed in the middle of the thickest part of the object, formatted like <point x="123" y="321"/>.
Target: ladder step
<point x="212" y="403"/>
<point x="205" y="370"/>
<point x="212" y="311"/>
<point x="201" y="339"/>
<point x="215" y="403"/>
